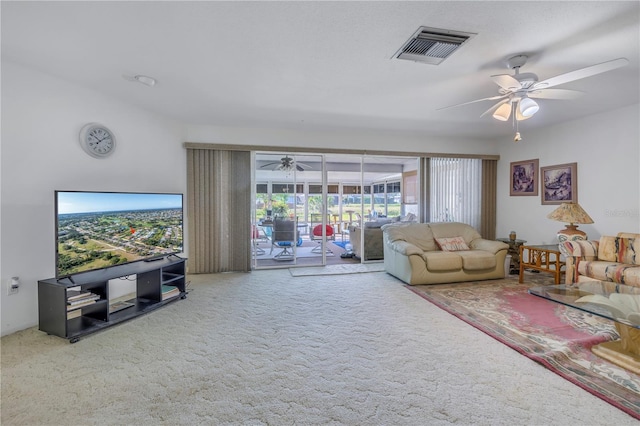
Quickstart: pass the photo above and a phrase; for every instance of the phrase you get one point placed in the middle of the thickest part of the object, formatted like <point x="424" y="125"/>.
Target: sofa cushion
<point x="378" y="223"/>
<point x="454" y="229"/>
<point x="610" y="271"/>
<point x="410" y="217"/>
<point x="442" y="261"/>
<point x="626" y="251"/>
<point x="317" y="230"/>
<point x="418" y="234"/>
<point x="452" y="244"/>
<point x="607" y="249"/>
<point x="627" y="235"/>
<point x="477" y="260"/>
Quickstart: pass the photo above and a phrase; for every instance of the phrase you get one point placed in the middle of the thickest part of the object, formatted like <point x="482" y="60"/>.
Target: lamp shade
<point x="521" y="117"/>
<point x="503" y="112"/>
<point x="528" y="107"/>
<point x="570" y="213"/>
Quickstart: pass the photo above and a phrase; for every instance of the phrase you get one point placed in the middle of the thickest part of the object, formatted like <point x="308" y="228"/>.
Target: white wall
<point x="607" y="149"/>
<point x="41" y="119"/>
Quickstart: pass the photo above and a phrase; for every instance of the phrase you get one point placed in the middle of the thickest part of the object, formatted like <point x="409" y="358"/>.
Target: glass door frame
<point x="270" y="184"/>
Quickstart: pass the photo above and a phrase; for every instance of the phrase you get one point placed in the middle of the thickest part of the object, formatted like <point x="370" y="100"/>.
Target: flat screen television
<point x="96" y="230"/>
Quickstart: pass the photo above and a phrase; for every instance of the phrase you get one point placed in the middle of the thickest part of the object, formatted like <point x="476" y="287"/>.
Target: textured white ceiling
<point x="327" y="65"/>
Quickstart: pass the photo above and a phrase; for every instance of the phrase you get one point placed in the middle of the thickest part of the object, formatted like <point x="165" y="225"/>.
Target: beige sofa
<point x="615" y="259"/>
<point x="372" y="247"/>
<point x="412" y="253"/>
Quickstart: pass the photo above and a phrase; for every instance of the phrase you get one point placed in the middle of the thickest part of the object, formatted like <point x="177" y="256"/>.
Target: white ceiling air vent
<point x="432" y="45"/>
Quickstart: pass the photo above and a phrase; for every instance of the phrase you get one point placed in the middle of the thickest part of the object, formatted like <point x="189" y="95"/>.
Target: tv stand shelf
<point x="59" y="318"/>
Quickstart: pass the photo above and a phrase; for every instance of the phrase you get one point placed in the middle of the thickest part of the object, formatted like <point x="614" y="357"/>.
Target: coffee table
<point x="617" y="302"/>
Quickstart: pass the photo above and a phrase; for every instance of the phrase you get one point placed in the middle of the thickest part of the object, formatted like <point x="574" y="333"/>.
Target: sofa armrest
<point x="404" y="248"/>
<point x="582" y="249"/>
<point x="575" y="251"/>
<point x="488" y="245"/>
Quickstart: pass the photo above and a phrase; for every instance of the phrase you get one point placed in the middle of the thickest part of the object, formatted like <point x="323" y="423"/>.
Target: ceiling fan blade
<point x="492" y="98"/>
<point x="306" y="166"/>
<point x="581" y="73"/>
<point x="506" y="81"/>
<point x="495" y="107"/>
<point x="298" y="168"/>
<point x="555" y="94"/>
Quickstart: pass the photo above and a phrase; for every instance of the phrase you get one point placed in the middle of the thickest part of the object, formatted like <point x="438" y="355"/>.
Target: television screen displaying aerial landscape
<point x="95" y="230"/>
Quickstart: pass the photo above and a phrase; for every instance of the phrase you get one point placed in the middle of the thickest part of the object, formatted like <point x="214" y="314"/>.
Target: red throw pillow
<point x="317" y="230"/>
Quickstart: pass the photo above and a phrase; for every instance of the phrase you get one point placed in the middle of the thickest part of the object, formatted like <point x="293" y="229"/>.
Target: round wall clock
<point x="97" y="140"/>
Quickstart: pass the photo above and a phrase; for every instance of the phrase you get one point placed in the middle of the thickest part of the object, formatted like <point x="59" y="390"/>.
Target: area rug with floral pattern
<point x="557" y="336"/>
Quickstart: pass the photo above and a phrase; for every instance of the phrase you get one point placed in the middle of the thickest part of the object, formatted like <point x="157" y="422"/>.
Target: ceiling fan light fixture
<point x="528" y="107"/>
<point x="503" y="112"/>
<point x="519" y="116"/>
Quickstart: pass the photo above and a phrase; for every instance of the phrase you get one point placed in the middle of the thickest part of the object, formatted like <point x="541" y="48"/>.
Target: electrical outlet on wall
<point x="13" y="286"/>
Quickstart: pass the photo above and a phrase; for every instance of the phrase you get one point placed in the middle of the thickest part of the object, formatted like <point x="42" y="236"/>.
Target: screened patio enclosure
<point x="325" y="193"/>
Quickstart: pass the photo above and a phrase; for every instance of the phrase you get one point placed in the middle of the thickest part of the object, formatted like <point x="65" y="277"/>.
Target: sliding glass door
<point x="337" y="201"/>
<point x="290" y="211"/>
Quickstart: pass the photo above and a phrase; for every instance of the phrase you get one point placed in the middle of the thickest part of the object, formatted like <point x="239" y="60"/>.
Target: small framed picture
<point x="524" y="178"/>
<point x="559" y="183"/>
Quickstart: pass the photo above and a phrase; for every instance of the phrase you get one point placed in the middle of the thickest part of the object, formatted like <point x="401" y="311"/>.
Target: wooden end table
<point x="514" y="251"/>
<point x="545" y="258"/>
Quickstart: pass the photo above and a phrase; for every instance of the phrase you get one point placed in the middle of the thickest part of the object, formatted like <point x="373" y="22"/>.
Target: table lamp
<point x="570" y="213"/>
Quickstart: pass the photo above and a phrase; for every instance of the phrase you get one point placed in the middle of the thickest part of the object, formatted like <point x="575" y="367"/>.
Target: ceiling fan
<point x="287" y="164"/>
<point x="517" y="92"/>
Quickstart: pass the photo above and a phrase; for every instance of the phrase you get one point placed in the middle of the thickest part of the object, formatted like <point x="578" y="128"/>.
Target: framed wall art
<point x="524" y="177"/>
<point x="559" y="183"/>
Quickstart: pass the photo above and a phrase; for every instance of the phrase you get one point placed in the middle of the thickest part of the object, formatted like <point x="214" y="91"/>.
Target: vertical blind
<point x="489" y="199"/>
<point x="219" y="210"/>
<point x="456" y="190"/>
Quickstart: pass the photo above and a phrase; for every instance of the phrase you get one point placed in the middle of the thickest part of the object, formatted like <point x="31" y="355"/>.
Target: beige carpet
<point x="267" y="348"/>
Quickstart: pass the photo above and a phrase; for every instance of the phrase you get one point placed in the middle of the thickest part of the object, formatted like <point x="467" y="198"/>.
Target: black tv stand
<point x="154" y="259"/>
<point x="153" y="282"/>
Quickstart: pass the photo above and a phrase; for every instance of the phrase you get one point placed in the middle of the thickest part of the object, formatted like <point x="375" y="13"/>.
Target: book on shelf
<point x="91" y="296"/>
<point x="77" y="294"/>
<point x="169" y="291"/>
<point x="74" y="314"/>
<point x="80" y="305"/>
